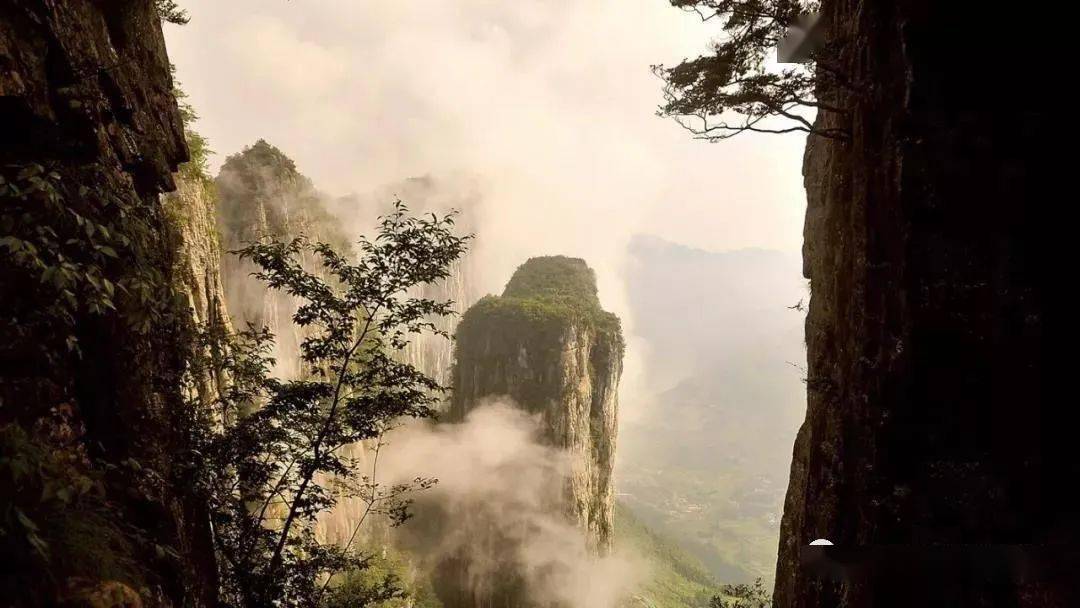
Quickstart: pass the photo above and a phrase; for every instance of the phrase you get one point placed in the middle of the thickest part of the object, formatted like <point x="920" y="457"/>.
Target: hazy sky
<point x="549" y="103"/>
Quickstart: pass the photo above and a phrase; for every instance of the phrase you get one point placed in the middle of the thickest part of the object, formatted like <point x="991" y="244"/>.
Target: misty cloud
<point x="497" y="521"/>
<point x="549" y="104"/>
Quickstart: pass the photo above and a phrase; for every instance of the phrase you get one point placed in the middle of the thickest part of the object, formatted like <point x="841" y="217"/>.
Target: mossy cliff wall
<point x="929" y="248"/>
<point x="95" y="317"/>
<point x="547" y="344"/>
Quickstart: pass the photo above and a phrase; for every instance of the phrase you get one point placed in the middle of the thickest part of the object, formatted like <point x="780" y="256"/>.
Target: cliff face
<point x="193" y="234"/>
<point x="92" y="337"/>
<point x="430" y="353"/>
<point x="261" y="193"/>
<point x="192" y="211"/>
<point x="926" y="244"/>
<point x="546" y="344"/>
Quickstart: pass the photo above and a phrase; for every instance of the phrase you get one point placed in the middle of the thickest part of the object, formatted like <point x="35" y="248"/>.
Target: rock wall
<point x="192" y="210"/>
<point x="430" y="353"/>
<point x="928" y="244"/>
<point x="92" y="339"/>
<point x="262" y="194"/>
<point x="546" y="344"/>
<point x="193" y="234"/>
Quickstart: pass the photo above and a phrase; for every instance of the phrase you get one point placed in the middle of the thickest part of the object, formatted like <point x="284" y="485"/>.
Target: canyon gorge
<point x="929" y="416"/>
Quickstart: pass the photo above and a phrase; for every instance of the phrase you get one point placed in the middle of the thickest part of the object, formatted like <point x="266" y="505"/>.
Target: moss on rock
<point x="547" y="344"/>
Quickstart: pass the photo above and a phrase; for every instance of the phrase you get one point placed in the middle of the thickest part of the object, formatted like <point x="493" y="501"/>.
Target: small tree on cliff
<point x="742" y="596"/>
<point x="732" y="90"/>
<point x="274" y="456"/>
<point x="170" y="12"/>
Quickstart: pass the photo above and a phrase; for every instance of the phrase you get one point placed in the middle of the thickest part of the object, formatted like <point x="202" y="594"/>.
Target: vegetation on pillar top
<point x="555" y="278"/>
<point x="263" y="194"/>
<point x="546" y="293"/>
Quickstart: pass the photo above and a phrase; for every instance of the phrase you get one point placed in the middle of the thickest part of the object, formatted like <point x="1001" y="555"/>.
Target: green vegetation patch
<point x="676" y="579"/>
<point x="555" y="278"/>
<point x="545" y="294"/>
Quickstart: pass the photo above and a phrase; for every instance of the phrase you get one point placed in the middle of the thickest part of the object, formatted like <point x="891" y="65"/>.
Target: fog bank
<point x="497" y="523"/>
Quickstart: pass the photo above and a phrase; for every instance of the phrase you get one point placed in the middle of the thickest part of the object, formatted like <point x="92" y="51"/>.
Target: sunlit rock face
<point x="191" y="208"/>
<point x="192" y="230"/>
<point x="928" y="247"/>
<point x="429" y="352"/>
<point x="262" y="193"/>
<point x="548" y="345"/>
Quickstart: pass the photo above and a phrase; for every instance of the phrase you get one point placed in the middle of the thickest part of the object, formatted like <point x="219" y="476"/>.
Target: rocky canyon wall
<point x="262" y="193"/>
<point x="96" y="311"/>
<point x="929" y="245"/>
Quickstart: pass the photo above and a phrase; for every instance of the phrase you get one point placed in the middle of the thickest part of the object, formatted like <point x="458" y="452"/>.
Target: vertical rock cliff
<point x="262" y="194"/>
<point x="93" y="346"/>
<point x="192" y="233"/>
<point x="191" y="209"/>
<point x="430" y="353"/>
<point x="548" y="345"/>
<point x="928" y="245"/>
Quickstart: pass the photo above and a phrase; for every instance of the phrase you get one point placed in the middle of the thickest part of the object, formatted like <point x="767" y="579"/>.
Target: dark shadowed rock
<point x="92" y="136"/>
<point x="928" y="242"/>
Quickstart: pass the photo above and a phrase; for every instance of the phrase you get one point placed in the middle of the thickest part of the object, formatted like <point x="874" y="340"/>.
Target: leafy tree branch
<point x="273" y="456"/>
<point x="733" y="90"/>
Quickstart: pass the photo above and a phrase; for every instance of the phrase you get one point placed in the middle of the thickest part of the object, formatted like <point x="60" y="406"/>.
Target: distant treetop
<point x="262" y="193"/>
<point x="170" y="12"/>
<point x="555" y="278"/>
<point x="546" y="293"/>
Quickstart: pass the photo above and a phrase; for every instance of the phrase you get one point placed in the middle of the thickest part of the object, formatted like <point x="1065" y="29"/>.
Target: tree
<point x="742" y="596"/>
<point x="170" y="12"/>
<point x="272" y="455"/>
<point x="733" y="91"/>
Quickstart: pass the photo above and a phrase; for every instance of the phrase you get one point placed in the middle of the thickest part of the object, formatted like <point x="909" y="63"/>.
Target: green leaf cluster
<point x="735" y="89"/>
<point x="72" y="252"/>
<point x="271" y="456"/>
<point x="54" y="512"/>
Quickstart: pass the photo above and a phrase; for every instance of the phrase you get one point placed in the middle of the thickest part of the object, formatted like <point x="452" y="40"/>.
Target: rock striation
<point x="261" y="193"/>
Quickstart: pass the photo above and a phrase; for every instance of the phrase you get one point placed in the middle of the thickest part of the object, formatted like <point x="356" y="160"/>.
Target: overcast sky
<point x="548" y="104"/>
